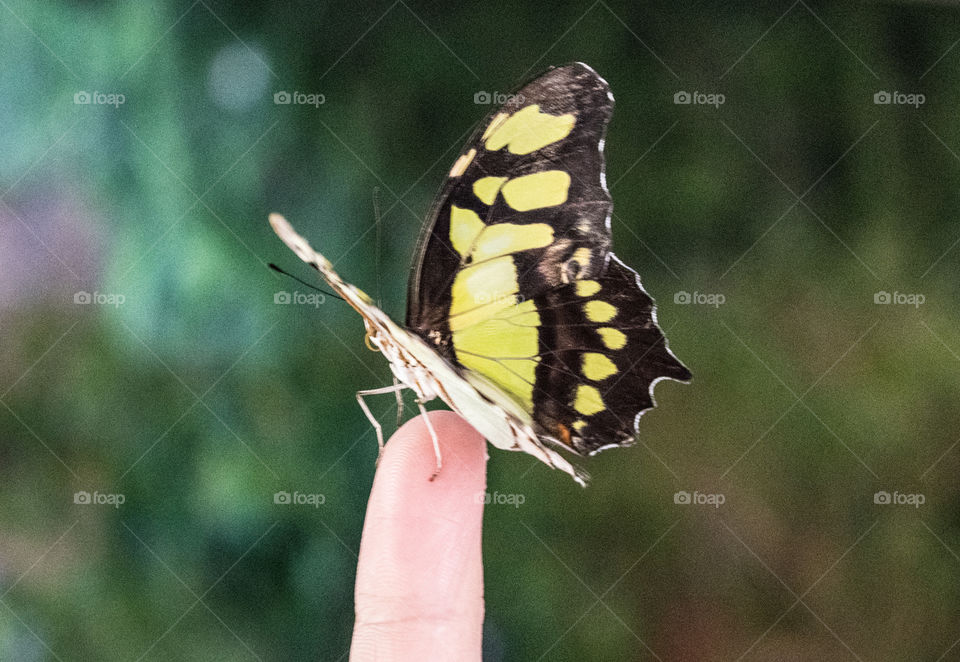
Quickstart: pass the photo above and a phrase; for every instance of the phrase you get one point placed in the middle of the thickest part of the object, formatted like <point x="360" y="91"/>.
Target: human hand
<point x="419" y="593"/>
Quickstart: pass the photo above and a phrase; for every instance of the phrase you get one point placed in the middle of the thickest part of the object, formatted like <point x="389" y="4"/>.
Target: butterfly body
<point x="519" y="316"/>
<point x="417" y="365"/>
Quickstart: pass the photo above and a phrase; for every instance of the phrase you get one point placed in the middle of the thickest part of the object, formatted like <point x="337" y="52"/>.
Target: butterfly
<point x="519" y="316"/>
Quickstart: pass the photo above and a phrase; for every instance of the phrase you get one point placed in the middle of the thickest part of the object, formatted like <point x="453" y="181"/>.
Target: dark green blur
<point x="189" y="392"/>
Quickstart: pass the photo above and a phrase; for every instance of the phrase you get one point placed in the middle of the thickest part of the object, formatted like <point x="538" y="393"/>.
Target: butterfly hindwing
<point x="601" y="352"/>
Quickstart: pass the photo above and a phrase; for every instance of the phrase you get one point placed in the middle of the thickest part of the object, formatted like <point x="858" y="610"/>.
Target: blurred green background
<point x="184" y="389"/>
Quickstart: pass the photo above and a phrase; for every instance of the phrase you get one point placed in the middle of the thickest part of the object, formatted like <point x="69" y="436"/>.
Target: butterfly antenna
<point x="376" y="214"/>
<point x="303" y="282"/>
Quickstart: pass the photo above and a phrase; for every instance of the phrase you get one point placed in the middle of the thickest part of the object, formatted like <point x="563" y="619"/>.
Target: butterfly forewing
<point x="534" y="167"/>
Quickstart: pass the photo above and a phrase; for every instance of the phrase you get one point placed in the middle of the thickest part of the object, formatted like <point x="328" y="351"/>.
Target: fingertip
<point x="403" y="492"/>
<point x="420" y="575"/>
<point x="410" y="456"/>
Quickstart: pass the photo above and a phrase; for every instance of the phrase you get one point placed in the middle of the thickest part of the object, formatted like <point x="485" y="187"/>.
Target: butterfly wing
<point x="601" y="352"/>
<point x="547" y="137"/>
<point x="515" y="279"/>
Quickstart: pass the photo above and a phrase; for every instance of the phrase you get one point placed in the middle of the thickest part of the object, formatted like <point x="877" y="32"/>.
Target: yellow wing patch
<point x="588" y="400"/>
<point x="599" y="311"/>
<point x="540" y="189"/>
<point x="473" y="239"/>
<point x="481" y="290"/>
<point x="506" y="238"/>
<point x="495" y="123"/>
<point x="502" y="350"/>
<point x="461" y="164"/>
<point x="486" y="188"/>
<point x="586" y="288"/>
<point x="612" y="338"/>
<point x="465" y="227"/>
<point x="527" y="130"/>
<point x="597" y="367"/>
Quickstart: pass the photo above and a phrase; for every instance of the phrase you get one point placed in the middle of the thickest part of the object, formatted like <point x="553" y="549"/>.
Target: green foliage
<point x="197" y="398"/>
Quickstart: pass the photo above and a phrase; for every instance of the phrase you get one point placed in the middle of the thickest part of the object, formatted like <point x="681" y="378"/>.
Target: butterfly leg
<point x="396" y="382"/>
<point x="433" y="438"/>
<point x="396" y="388"/>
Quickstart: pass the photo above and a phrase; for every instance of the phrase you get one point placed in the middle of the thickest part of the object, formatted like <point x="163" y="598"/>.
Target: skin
<point x="419" y="592"/>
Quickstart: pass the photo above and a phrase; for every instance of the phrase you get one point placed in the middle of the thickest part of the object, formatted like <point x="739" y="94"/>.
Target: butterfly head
<point x="298" y="244"/>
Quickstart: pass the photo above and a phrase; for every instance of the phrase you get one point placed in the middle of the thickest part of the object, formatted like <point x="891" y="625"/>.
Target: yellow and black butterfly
<point x="519" y="316"/>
